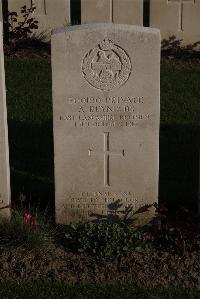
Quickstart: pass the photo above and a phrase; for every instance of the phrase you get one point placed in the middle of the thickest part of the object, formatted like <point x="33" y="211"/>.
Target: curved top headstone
<point x="106" y="83"/>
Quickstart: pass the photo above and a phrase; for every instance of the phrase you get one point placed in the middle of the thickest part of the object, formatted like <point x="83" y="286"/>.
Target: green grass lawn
<point x="29" y="93"/>
<point x="29" y="103"/>
<point x="180" y="94"/>
<point x="179" y="133"/>
<point x="53" y="290"/>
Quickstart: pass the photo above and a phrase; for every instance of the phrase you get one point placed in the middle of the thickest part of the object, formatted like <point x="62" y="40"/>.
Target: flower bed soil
<point x="150" y="269"/>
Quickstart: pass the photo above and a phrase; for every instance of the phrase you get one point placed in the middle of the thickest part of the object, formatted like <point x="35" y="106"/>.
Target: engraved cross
<point x="180" y="8"/>
<point x="106" y="153"/>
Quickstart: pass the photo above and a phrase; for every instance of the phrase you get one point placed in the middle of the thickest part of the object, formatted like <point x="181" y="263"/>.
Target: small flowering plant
<point x="144" y="241"/>
<point x="147" y="237"/>
<point x="28" y="218"/>
<point x="26" y="229"/>
<point x="106" y="238"/>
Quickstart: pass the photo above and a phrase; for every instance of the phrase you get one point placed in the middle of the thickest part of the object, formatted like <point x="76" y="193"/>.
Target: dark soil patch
<point x="151" y="269"/>
<point x="162" y="267"/>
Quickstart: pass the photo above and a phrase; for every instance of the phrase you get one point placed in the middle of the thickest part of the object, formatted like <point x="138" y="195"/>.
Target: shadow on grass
<point x="32" y="165"/>
<point x="179" y="151"/>
<point x="31" y="160"/>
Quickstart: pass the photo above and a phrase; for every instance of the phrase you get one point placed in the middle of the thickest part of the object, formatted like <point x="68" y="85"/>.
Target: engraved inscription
<point x="180" y="4"/>
<point x="106" y="112"/>
<point x="106" y="66"/>
<point x="107" y="153"/>
<point x="102" y="202"/>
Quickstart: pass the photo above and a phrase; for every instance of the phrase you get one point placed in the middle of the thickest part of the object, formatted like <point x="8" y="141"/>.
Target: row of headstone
<point x="112" y="11"/>
<point x="180" y="18"/>
<point x="173" y="17"/>
<point x="106" y="121"/>
<point x="50" y="14"/>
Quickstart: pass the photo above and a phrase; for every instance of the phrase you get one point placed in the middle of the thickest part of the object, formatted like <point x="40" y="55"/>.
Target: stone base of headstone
<point x="5" y="213"/>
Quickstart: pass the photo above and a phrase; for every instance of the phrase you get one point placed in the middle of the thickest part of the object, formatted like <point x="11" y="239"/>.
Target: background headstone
<point x="51" y="14"/>
<point x="106" y="119"/>
<point x="128" y="12"/>
<point x="180" y="18"/>
<point x="112" y="11"/>
<point x="4" y="153"/>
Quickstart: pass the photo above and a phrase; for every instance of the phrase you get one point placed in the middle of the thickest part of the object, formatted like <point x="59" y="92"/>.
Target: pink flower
<point x="29" y="219"/>
<point x="146" y="237"/>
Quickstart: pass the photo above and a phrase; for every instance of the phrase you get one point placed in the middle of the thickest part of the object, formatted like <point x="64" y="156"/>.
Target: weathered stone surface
<point x="177" y="17"/>
<point x="96" y="11"/>
<point x="5" y="213"/>
<point x="128" y="12"/>
<point x="1" y="12"/>
<point x="106" y="119"/>
<point x="49" y="13"/>
<point x="4" y="153"/>
<point x="112" y="11"/>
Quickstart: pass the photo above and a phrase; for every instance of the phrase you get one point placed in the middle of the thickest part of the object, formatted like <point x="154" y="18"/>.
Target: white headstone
<point x="179" y="18"/>
<point x="112" y="11"/>
<point x="4" y="153"/>
<point x="1" y="12"/>
<point x="50" y="14"/>
<point x="106" y="119"/>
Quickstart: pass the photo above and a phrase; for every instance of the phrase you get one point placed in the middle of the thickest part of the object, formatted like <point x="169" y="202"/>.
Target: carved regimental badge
<point x="106" y="66"/>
